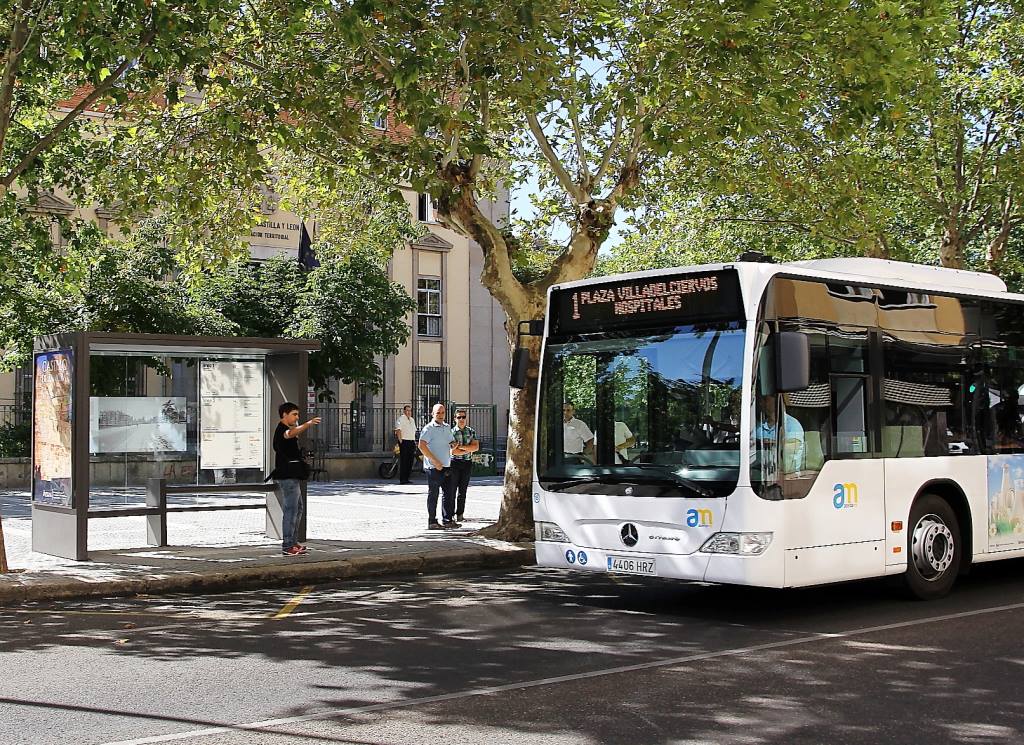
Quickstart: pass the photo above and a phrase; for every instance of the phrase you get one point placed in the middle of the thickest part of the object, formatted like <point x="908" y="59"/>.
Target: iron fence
<point x="344" y="428"/>
<point x="359" y="428"/>
<point x="12" y="414"/>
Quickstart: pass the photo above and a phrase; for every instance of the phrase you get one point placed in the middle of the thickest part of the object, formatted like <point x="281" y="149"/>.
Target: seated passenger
<point x="624" y="439"/>
<point x="767" y="433"/>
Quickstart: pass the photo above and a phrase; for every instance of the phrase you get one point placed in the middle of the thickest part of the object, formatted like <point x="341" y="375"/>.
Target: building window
<point x="424" y="208"/>
<point x="381" y="121"/>
<point x="430" y="386"/>
<point x="428" y="307"/>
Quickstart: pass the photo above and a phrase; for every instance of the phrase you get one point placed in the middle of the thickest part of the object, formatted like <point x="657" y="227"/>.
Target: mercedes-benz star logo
<point x="628" y="535"/>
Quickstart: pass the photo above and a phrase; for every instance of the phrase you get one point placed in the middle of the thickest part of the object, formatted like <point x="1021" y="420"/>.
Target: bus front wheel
<point x="934" y="548"/>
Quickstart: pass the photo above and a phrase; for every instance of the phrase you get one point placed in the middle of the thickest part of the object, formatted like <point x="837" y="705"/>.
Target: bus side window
<point x="791" y="430"/>
<point x="925" y="388"/>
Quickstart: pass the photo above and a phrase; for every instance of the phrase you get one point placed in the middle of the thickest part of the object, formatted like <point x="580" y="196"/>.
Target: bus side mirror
<point x="521" y="355"/>
<point x="792" y="361"/>
<point x="520" y="361"/>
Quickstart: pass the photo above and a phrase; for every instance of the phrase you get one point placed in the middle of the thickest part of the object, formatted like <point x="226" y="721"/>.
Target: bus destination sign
<point x="670" y="299"/>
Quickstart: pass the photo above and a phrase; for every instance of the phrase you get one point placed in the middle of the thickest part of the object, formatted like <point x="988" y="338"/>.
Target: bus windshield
<point x="654" y="413"/>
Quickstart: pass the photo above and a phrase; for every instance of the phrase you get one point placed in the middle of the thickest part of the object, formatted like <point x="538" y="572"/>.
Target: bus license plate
<point x="630" y="565"/>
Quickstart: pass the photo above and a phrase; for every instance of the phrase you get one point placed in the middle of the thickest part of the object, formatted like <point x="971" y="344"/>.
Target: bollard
<point x="156" y="524"/>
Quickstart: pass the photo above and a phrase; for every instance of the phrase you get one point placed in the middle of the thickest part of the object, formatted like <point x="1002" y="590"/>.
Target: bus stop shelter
<point x="121" y="420"/>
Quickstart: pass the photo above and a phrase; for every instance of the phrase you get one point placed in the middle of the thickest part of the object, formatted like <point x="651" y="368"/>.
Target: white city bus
<point x="782" y="425"/>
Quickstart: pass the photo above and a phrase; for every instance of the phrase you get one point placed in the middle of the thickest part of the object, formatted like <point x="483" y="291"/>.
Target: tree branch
<point x="976" y="177"/>
<point x="456" y="129"/>
<point x="70" y="117"/>
<point x="497" y="275"/>
<point x="940" y="185"/>
<point x="15" y="48"/>
<point x="570" y="186"/>
<point x="602" y="169"/>
<point x="577" y="131"/>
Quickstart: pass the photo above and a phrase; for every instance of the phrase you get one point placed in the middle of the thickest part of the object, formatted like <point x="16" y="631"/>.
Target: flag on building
<point x="307" y="257"/>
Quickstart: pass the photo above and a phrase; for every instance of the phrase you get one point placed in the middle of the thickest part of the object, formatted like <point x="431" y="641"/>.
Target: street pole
<point x="3" y="549"/>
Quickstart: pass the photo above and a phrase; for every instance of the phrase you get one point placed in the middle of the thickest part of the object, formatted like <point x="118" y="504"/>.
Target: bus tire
<point x="934" y="548"/>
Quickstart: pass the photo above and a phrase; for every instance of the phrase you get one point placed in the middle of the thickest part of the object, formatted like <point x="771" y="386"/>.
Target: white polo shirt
<point x="408" y="427"/>
<point x="576" y="434"/>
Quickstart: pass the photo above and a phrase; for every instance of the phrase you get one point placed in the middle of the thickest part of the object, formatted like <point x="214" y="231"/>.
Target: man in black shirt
<point x="289" y="471"/>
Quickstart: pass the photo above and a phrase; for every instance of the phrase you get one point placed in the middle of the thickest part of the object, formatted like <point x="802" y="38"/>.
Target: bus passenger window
<point x="851" y="415"/>
<point x="925" y="389"/>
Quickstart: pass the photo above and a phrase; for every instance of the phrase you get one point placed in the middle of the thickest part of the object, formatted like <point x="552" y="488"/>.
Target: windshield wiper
<point x="682" y="480"/>
<point x="596" y="479"/>
<point x="625" y="479"/>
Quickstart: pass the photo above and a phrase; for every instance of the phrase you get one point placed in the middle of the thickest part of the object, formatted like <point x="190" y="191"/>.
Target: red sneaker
<point x="295" y="550"/>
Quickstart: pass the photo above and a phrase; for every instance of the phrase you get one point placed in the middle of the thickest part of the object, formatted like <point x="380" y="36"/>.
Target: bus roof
<point x="854" y="270"/>
<point x="905" y="273"/>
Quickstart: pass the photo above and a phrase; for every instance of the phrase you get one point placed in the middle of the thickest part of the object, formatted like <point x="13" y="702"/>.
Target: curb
<point x="275" y="575"/>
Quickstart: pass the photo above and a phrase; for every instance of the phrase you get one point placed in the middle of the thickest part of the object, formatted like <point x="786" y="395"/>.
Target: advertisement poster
<point x="137" y="425"/>
<point x="52" y="419"/>
<point x="1005" y="502"/>
<point x="231" y="415"/>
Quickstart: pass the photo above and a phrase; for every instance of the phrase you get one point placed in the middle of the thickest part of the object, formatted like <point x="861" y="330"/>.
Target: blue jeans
<point x="290" y="491"/>
<point x="440" y="481"/>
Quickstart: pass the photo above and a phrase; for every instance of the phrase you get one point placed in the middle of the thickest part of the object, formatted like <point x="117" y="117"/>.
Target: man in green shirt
<point x="462" y="459"/>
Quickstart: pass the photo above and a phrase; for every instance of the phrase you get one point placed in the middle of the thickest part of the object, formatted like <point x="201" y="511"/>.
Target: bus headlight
<point x="744" y="544"/>
<point x="550" y="532"/>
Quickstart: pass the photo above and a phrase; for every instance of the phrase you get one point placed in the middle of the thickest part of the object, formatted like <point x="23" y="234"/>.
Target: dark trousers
<point x="406" y="455"/>
<point x="461" y="471"/>
<point x="440" y="481"/>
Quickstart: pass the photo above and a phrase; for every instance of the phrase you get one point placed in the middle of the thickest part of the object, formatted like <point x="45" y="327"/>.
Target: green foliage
<point x="347" y="303"/>
<point x="138" y="286"/>
<point x="936" y="177"/>
<point x="15" y="440"/>
<point x="93" y="284"/>
<point x="357" y="313"/>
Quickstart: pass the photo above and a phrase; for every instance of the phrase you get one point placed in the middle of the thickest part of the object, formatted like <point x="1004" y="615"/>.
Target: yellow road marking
<point x="294" y="602"/>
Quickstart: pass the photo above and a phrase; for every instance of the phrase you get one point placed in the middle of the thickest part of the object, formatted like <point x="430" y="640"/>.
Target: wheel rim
<point x="932" y="547"/>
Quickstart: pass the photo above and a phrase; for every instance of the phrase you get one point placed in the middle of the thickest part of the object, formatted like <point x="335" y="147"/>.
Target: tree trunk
<point x="997" y="246"/>
<point x="951" y="249"/>
<point x="3" y="549"/>
<point x="515" y="522"/>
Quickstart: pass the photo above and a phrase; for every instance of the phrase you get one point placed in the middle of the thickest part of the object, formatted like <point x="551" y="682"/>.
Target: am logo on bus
<point x="699" y="518"/>
<point x="844" y="495"/>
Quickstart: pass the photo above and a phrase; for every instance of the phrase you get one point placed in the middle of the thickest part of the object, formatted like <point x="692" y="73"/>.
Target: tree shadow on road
<point x="518" y="639"/>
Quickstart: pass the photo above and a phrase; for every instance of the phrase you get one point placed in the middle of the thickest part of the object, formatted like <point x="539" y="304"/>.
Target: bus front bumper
<point x="759" y="570"/>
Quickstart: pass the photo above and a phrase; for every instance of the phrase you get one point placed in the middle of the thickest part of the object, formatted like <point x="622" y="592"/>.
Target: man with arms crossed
<point x="436" y="445"/>
<point x="462" y="460"/>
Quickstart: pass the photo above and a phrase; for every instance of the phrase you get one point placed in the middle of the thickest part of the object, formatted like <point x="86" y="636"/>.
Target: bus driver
<point x="577" y="439"/>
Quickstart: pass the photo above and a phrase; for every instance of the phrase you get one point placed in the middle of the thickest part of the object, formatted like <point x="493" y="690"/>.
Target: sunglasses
<point x="460" y="417"/>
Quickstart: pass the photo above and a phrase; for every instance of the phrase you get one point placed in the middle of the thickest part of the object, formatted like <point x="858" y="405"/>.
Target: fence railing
<point x="355" y="428"/>
<point x="344" y="428"/>
<point x="12" y="414"/>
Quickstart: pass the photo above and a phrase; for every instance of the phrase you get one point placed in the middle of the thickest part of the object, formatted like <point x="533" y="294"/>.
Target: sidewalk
<point x="355" y="529"/>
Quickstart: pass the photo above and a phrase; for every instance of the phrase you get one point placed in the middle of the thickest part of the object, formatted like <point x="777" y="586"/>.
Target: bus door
<point x="827" y="475"/>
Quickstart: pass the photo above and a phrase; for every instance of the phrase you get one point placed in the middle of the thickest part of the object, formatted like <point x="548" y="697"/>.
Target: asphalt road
<point x="530" y="656"/>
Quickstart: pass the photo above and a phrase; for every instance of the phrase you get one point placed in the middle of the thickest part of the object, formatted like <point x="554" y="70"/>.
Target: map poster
<point x="52" y="420"/>
<point x="231" y="414"/>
